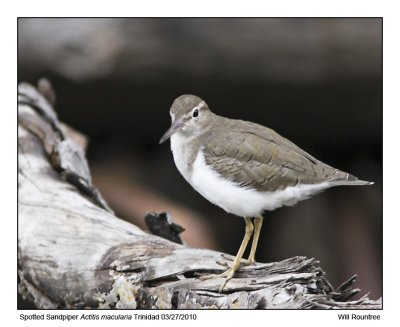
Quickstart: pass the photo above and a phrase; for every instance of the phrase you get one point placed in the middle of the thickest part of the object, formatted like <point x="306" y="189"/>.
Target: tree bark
<point x="73" y="252"/>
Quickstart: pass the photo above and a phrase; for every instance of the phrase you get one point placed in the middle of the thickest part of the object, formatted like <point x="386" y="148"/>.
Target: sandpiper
<point x="244" y="168"/>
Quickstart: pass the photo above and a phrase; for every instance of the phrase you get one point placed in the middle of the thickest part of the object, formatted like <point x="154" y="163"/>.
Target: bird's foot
<point x="249" y="261"/>
<point x="227" y="275"/>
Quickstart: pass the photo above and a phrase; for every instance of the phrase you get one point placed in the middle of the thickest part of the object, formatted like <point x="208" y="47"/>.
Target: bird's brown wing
<point x="255" y="156"/>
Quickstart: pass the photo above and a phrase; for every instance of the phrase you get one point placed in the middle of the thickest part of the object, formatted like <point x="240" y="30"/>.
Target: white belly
<point x="241" y="201"/>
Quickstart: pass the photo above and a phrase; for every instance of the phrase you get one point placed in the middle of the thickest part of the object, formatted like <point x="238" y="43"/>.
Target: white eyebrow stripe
<point x="200" y="105"/>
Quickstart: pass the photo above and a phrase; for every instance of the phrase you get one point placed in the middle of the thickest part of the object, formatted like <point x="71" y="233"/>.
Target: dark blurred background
<point x="316" y="81"/>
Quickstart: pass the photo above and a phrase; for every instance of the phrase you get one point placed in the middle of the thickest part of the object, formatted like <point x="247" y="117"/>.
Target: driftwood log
<point x="73" y="252"/>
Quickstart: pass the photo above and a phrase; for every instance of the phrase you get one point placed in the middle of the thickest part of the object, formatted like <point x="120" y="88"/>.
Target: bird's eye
<point x="195" y="113"/>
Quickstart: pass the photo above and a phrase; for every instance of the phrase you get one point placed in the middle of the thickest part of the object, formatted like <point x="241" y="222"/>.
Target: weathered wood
<point x="73" y="252"/>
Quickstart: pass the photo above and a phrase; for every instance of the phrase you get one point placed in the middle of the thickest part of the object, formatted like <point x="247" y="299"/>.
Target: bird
<point x="244" y="168"/>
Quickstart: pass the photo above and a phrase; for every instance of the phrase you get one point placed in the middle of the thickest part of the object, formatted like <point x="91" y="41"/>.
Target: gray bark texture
<point x="73" y="252"/>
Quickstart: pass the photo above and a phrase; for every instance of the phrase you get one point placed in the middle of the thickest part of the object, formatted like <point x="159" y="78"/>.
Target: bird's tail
<point x="352" y="183"/>
<point x="350" y="180"/>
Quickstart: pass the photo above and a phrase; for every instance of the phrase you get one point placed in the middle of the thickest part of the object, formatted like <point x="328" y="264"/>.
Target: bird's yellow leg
<point x="236" y="263"/>
<point x="257" y="227"/>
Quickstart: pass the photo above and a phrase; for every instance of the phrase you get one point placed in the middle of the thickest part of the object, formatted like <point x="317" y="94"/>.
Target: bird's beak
<point x="176" y="126"/>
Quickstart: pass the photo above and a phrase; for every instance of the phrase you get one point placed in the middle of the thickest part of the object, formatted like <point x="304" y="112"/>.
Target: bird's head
<point x="190" y="116"/>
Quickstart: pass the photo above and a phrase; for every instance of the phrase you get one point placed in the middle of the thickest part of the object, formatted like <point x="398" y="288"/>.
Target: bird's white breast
<point x="180" y="150"/>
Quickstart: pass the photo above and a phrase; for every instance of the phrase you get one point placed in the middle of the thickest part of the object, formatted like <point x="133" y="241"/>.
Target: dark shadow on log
<point x="73" y="252"/>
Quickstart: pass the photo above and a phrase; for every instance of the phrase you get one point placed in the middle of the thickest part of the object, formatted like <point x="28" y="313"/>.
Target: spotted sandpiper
<point x="244" y="168"/>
